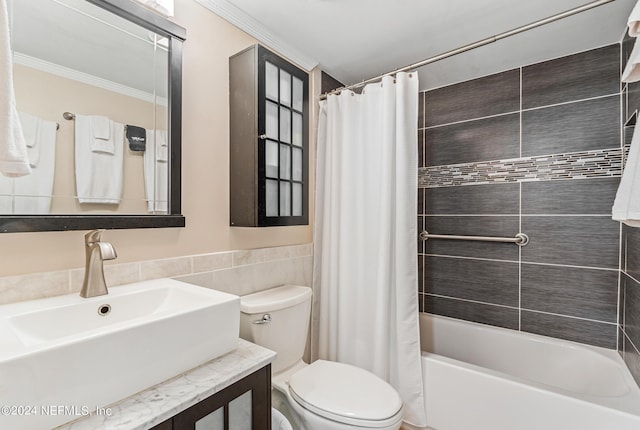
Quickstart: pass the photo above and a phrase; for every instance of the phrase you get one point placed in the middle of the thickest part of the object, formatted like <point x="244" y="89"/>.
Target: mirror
<point x="98" y="89"/>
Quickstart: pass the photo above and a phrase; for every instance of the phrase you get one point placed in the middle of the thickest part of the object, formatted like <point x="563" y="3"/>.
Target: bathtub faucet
<point x="96" y="252"/>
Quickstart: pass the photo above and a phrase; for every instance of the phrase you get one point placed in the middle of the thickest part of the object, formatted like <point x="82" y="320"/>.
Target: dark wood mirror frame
<point x="139" y="15"/>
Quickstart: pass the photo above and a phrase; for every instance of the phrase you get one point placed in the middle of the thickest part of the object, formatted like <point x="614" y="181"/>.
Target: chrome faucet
<point x="96" y="252"/>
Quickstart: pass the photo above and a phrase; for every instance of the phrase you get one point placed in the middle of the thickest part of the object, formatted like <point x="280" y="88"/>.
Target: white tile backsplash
<point x="166" y="268"/>
<point x="257" y="277"/>
<point x="235" y="272"/>
<point x="208" y="262"/>
<point x="251" y="256"/>
<point x="305" y="250"/>
<point x="33" y="286"/>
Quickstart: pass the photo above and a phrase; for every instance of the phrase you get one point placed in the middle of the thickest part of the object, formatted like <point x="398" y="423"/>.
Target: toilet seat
<point x="346" y="394"/>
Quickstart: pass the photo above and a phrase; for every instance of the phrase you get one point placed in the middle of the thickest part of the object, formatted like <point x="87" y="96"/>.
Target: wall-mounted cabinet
<point x="269" y="139"/>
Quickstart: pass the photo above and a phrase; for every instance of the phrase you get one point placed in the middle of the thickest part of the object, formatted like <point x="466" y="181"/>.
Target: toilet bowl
<point x="334" y="396"/>
<point x="323" y="395"/>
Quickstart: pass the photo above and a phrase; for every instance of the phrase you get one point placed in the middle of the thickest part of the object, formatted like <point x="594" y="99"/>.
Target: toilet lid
<point x="345" y="393"/>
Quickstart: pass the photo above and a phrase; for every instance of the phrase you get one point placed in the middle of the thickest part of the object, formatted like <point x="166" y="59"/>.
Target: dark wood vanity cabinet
<point x="243" y="405"/>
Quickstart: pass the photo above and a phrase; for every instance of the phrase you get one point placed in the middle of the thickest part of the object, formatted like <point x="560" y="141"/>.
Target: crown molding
<point x="85" y="78"/>
<point x="245" y="22"/>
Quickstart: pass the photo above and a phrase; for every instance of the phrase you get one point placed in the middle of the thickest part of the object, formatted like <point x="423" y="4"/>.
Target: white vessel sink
<point x="63" y="357"/>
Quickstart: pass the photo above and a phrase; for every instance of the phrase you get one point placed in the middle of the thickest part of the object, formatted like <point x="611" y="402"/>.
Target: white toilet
<point x="324" y="395"/>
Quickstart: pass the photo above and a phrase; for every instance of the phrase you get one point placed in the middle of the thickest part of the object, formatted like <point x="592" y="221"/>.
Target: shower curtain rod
<point x="473" y="45"/>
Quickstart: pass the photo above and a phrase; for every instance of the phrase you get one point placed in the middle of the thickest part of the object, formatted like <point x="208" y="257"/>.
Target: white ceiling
<point x="81" y="37"/>
<point x="358" y="39"/>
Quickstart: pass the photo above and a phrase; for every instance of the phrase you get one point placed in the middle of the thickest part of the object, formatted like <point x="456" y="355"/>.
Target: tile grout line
<point x="442" y="296"/>
<point x="633" y="345"/>
<point x="621" y="303"/>
<point x="516" y="308"/>
<point x="631" y="277"/>
<point x="515" y="215"/>
<point x="571" y="316"/>
<point x="520" y="205"/>
<point x="520" y="266"/>
<point x="533" y="263"/>
<point x="519" y="111"/>
<point x="472" y="258"/>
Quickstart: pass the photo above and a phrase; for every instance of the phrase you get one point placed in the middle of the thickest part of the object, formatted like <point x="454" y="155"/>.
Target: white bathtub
<point x="479" y="377"/>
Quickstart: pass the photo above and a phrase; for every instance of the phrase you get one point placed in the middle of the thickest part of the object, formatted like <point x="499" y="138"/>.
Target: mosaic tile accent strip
<point x="575" y="165"/>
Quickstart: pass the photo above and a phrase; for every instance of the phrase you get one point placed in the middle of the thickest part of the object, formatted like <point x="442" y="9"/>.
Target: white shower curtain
<point x="365" y="258"/>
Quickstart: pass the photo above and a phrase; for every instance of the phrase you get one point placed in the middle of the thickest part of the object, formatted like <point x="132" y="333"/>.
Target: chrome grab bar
<point x="520" y="239"/>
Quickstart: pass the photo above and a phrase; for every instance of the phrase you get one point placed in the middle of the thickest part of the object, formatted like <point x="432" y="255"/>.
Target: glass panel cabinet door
<point x="271" y="121"/>
<point x="244" y="405"/>
<point x="298" y="96"/>
<point x="271" y="81"/>
<point x="269" y="166"/>
<point x="213" y="421"/>
<point x="240" y="412"/>
<point x="239" y="415"/>
<point x="285" y="88"/>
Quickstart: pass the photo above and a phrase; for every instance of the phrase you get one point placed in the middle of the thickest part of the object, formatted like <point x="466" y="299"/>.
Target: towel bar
<point x="520" y="239"/>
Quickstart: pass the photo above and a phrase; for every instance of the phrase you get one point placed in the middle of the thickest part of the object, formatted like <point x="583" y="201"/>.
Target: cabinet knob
<point x="262" y="137"/>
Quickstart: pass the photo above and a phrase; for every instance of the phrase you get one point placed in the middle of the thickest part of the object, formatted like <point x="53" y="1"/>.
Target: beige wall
<point x="48" y="96"/>
<point x="205" y="177"/>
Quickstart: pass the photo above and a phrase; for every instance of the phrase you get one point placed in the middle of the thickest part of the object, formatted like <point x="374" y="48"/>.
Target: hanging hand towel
<point x="634" y="21"/>
<point x="99" y="175"/>
<point x="101" y="130"/>
<point x="31" y="194"/>
<point x="137" y="137"/>
<point x="156" y="180"/>
<point x="162" y="150"/>
<point x="30" y="125"/>
<point x="13" y="149"/>
<point x="626" y="206"/>
<point x="31" y="130"/>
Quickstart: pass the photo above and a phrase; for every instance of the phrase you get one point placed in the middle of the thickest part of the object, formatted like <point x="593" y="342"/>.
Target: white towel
<point x="626" y="206"/>
<point x="162" y="150"/>
<point x="30" y="124"/>
<point x="156" y="169"/>
<point x="32" y="194"/>
<point x="101" y="135"/>
<point x="631" y="71"/>
<point x="31" y="129"/>
<point x="6" y="195"/>
<point x="634" y="21"/>
<point x="13" y="149"/>
<point x="99" y="175"/>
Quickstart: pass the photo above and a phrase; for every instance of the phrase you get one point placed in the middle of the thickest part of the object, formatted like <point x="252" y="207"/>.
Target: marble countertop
<point x="160" y="402"/>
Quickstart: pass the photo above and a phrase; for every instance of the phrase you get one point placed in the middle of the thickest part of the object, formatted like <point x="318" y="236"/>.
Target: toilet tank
<point x="278" y="319"/>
